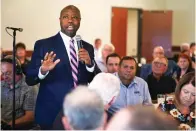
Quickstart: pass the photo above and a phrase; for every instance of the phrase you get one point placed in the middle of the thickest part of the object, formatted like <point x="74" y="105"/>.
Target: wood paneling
<point x="119" y="29"/>
<point x="156" y="30"/>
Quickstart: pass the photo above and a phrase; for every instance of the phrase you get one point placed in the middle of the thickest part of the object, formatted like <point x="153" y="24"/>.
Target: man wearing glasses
<point x="25" y="96"/>
<point x="158" y="83"/>
<point x="158" y="51"/>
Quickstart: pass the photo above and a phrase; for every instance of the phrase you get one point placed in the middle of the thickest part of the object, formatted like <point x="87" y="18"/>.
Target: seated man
<point x="157" y="82"/>
<point x="112" y="63"/>
<point x="133" y="90"/>
<point x="83" y="110"/>
<point x="147" y="68"/>
<point x="108" y="87"/>
<point x="25" y="96"/>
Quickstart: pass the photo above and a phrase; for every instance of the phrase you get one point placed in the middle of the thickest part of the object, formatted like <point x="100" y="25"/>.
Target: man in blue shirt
<point x="133" y="90"/>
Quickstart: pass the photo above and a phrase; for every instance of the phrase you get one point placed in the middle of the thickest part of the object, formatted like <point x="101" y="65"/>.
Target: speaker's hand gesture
<point x="48" y="63"/>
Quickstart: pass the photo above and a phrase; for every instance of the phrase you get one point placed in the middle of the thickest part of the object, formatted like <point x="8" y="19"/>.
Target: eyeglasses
<point x="159" y="63"/>
<point x="9" y="73"/>
<point x="160" y="53"/>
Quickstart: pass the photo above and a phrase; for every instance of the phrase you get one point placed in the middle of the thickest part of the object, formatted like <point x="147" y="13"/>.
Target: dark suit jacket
<point x="59" y="81"/>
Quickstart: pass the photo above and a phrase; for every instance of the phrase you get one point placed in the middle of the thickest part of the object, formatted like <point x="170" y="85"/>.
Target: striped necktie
<point x="73" y="62"/>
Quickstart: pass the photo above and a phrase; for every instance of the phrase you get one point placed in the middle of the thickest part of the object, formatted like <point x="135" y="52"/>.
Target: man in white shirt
<point x="97" y="46"/>
<point x="59" y="66"/>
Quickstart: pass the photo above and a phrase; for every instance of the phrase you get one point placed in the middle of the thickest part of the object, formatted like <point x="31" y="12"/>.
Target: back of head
<point x="142" y="118"/>
<point x="84" y="109"/>
<point x="106" y="85"/>
<point x="147" y="118"/>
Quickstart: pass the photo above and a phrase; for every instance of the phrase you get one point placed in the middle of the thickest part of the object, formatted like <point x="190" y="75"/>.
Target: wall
<point x="132" y="32"/>
<point x="39" y="18"/>
<point x="183" y="29"/>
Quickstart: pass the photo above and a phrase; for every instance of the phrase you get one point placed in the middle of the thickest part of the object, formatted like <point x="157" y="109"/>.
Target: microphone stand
<point x="14" y="72"/>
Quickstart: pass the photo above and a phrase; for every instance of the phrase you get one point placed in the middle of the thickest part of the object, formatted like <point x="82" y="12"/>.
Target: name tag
<point x="136" y="92"/>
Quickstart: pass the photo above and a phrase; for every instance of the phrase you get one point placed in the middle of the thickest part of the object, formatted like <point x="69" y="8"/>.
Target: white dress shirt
<point x="66" y="40"/>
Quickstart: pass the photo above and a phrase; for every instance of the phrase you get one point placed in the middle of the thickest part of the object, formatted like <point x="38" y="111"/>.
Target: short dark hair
<point x="112" y="55"/>
<point x="192" y="44"/>
<point x="20" y="45"/>
<point x="96" y="40"/>
<point x="71" y="7"/>
<point x="127" y="58"/>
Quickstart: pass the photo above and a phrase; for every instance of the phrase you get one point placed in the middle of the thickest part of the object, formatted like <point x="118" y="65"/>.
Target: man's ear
<point x="66" y="123"/>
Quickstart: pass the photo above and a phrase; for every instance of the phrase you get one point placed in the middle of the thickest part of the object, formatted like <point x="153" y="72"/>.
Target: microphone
<point x="79" y="43"/>
<point x="16" y="29"/>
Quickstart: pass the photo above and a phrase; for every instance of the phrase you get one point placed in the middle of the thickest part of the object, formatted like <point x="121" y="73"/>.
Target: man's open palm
<point x="48" y="63"/>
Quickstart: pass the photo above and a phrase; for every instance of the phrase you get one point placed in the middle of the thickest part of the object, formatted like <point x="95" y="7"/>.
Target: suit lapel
<point x="61" y="50"/>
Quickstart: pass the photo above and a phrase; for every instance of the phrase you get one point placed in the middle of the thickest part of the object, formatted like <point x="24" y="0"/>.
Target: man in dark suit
<point x="59" y="66"/>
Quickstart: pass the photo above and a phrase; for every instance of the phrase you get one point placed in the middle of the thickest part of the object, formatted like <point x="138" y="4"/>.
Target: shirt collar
<point x="20" y="81"/>
<point x="4" y="84"/>
<point x="67" y="38"/>
<point x="134" y="81"/>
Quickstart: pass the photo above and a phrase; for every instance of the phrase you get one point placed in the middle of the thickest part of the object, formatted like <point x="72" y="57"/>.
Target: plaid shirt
<point x="25" y="98"/>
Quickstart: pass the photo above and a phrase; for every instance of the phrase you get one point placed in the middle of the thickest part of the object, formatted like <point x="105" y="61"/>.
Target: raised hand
<point x="48" y="63"/>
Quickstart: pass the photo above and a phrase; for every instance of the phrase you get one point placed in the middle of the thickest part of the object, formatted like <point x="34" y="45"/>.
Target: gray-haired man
<point x="83" y="110"/>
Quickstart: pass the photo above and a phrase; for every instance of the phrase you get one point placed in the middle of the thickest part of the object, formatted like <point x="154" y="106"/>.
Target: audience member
<point x="185" y="48"/>
<point x="192" y="49"/>
<point x="21" y="55"/>
<point x="184" y="62"/>
<point x="108" y="87"/>
<point x="112" y="62"/>
<point x="147" y="69"/>
<point x="83" y="110"/>
<point x="182" y="108"/>
<point x="25" y="96"/>
<point x="106" y="50"/>
<point x="141" y="118"/>
<point x="2" y="52"/>
<point x="157" y="82"/>
<point x="97" y="46"/>
<point x="193" y="54"/>
<point x="133" y="90"/>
